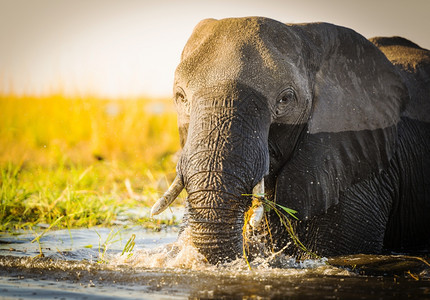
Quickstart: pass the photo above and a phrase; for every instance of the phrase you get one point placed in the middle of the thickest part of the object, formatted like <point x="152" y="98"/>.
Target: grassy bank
<point x="68" y="159"/>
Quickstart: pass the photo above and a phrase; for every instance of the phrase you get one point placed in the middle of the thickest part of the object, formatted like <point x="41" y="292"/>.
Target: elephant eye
<point x="181" y="100"/>
<point x="288" y="95"/>
<point x="285" y="101"/>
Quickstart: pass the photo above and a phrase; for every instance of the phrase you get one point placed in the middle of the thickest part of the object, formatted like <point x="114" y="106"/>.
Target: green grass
<point x="69" y="159"/>
<point x="286" y="216"/>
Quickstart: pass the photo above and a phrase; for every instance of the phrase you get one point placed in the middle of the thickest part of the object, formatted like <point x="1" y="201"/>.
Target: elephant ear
<point x="352" y="130"/>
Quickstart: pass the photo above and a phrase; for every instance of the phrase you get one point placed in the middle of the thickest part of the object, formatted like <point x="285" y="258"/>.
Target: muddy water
<point x="90" y="264"/>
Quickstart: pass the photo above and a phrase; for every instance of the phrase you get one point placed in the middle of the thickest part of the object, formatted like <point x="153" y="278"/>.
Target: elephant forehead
<point x="235" y="38"/>
<point x="232" y="49"/>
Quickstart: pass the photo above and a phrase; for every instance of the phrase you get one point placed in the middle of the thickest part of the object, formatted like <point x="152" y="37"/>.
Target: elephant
<point x="319" y="119"/>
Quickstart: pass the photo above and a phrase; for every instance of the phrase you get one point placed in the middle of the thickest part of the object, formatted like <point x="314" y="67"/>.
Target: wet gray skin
<point x="338" y="132"/>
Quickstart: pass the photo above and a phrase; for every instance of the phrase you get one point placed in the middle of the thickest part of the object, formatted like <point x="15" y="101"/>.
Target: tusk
<point x="169" y="196"/>
<point x="257" y="215"/>
<point x="258" y="190"/>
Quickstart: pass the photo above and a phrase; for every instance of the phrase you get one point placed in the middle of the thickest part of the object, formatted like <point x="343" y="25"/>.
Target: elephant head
<point x="253" y="96"/>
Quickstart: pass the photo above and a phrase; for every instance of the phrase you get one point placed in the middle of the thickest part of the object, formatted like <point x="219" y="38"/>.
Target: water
<point x="75" y="265"/>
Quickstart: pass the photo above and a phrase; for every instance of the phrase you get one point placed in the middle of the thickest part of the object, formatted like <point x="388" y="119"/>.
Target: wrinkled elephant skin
<point x="337" y="126"/>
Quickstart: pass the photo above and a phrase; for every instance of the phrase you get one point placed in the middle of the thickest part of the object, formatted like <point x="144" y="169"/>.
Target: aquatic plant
<point x="113" y="237"/>
<point x="284" y="214"/>
<point x="129" y="246"/>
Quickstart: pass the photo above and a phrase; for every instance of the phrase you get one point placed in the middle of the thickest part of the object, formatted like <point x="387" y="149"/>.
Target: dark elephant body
<point x="409" y="224"/>
<point x="388" y="211"/>
<point x="338" y="132"/>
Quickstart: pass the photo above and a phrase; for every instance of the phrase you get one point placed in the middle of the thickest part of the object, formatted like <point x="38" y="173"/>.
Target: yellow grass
<point x="44" y="131"/>
<point x="70" y="157"/>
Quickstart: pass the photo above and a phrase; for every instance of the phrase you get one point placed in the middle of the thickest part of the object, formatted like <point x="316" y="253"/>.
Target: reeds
<point x="285" y="216"/>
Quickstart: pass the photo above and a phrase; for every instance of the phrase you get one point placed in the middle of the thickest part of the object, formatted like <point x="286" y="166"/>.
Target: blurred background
<point x="85" y="93"/>
<point x="131" y="48"/>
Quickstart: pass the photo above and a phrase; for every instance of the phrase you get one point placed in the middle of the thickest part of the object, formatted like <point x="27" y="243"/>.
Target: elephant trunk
<point x="216" y="227"/>
<point x="225" y="156"/>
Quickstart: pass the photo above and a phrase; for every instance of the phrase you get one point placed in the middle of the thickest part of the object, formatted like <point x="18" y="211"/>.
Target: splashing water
<point x="162" y="265"/>
<point x="182" y="254"/>
<point x="179" y="254"/>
